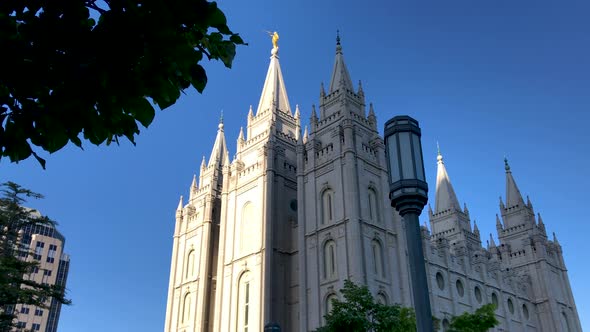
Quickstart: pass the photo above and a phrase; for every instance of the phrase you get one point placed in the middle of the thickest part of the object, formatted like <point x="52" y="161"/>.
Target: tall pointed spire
<point x="340" y="76"/>
<point x="445" y="194"/>
<point x="274" y="93"/>
<point x="492" y="242"/>
<point x="513" y="196"/>
<point x="219" y="147"/>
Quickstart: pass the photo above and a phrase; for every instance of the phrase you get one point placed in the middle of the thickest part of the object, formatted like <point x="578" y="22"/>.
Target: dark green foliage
<point x="14" y="287"/>
<point x="481" y="320"/>
<point x="359" y="313"/>
<point x="64" y="76"/>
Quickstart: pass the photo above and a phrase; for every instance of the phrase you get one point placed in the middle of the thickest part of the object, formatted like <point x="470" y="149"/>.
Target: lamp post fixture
<point x="408" y="192"/>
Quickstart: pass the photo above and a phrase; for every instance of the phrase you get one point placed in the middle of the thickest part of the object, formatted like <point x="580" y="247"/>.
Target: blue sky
<point x="484" y="78"/>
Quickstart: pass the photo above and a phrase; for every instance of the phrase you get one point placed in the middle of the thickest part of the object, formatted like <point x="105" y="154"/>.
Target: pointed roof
<point x="219" y="147"/>
<point x="340" y="76"/>
<point x="513" y="196"/>
<point x="274" y="93"/>
<point x="445" y="194"/>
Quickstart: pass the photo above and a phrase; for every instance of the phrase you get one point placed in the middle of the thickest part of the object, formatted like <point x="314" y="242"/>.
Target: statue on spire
<point x="275" y="39"/>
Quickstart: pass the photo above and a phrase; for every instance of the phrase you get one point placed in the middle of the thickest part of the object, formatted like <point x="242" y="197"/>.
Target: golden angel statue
<point x="275" y="38"/>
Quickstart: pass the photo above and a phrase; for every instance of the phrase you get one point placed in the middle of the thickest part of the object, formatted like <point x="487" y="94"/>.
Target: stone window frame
<point x="440" y="280"/>
<point x="327" y="196"/>
<point x="379" y="262"/>
<point x="329" y="261"/>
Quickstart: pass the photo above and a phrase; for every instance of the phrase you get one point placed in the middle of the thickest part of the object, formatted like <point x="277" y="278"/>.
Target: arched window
<point x="477" y="293"/>
<point x="245" y="303"/>
<point x="327" y="206"/>
<point x="445" y="325"/>
<point x="495" y="300"/>
<point x="459" y="286"/>
<point x="248" y="232"/>
<point x="330" y="302"/>
<point x="373" y="206"/>
<point x="186" y="308"/>
<point x="381" y="298"/>
<point x="190" y="264"/>
<point x="377" y="257"/>
<point x="330" y="259"/>
<point x="440" y="281"/>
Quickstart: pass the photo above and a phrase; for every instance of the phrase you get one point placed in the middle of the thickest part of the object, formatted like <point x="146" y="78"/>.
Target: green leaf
<point x="143" y="111"/>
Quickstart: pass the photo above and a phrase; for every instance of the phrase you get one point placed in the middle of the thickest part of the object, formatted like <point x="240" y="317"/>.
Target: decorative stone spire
<point x="219" y="147"/>
<point x="203" y="164"/>
<point x="555" y="238"/>
<point x="360" y="91"/>
<point x="274" y="93"/>
<point x="475" y="228"/>
<point x="322" y="90"/>
<point x="513" y="196"/>
<point x="371" y="117"/>
<point x="492" y="242"/>
<point x="179" y="208"/>
<point x="465" y="209"/>
<point x="250" y="113"/>
<point x="313" y="119"/>
<point x="241" y="135"/>
<point x="297" y="113"/>
<point x="193" y="189"/>
<point x="305" y="135"/>
<point x="340" y="76"/>
<point x="499" y="225"/>
<point x="445" y="194"/>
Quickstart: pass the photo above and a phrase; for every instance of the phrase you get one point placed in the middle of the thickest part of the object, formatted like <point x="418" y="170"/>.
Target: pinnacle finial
<point x="439" y="156"/>
<point x="221" y="120"/>
<point x="506" y="166"/>
<point x="337" y="37"/>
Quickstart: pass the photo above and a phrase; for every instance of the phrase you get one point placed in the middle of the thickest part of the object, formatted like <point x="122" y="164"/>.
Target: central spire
<point x="513" y="196"/>
<point x="274" y="93"/>
<point x="340" y="76"/>
<point x="445" y="194"/>
<point x="219" y="150"/>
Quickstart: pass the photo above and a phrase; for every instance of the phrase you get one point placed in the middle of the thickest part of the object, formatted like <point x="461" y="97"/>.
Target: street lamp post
<point x="408" y="194"/>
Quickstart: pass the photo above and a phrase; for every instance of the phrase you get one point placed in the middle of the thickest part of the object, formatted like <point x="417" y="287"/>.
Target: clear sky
<point x="484" y="78"/>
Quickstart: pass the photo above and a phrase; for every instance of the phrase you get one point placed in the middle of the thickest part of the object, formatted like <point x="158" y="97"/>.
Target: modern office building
<point x="46" y="244"/>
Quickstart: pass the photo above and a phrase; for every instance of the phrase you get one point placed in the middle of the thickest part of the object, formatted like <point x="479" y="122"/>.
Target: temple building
<point x="269" y="236"/>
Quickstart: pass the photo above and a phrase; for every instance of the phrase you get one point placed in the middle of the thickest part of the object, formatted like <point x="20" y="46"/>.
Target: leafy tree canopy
<point x="359" y="313"/>
<point x="65" y="76"/>
<point x="16" y="261"/>
<point x="481" y="320"/>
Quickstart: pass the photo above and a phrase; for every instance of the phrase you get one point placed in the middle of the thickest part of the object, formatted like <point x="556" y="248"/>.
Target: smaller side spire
<point x="492" y="242"/>
<point x="179" y="208"/>
<point x="241" y="135"/>
<point x="313" y="119"/>
<point x="322" y="90"/>
<point x="297" y="113"/>
<point x="203" y="164"/>
<point x="360" y="89"/>
<point x="499" y="226"/>
<point x="465" y="209"/>
<point x="250" y="113"/>
<point x="305" y="135"/>
<point x="475" y="228"/>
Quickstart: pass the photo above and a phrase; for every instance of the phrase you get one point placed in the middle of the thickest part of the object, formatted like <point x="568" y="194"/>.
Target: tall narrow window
<point x="373" y="210"/>
<point x="186" y="308"/>
<point x="327" y="206"/>
<point x="330" y="259"/>
<point x="249" y="234"/>
<point x="330" y="302"/>
<point x="190" y="264"/>
<point x="377" y="257"/>
<point x="245" y="304"/>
